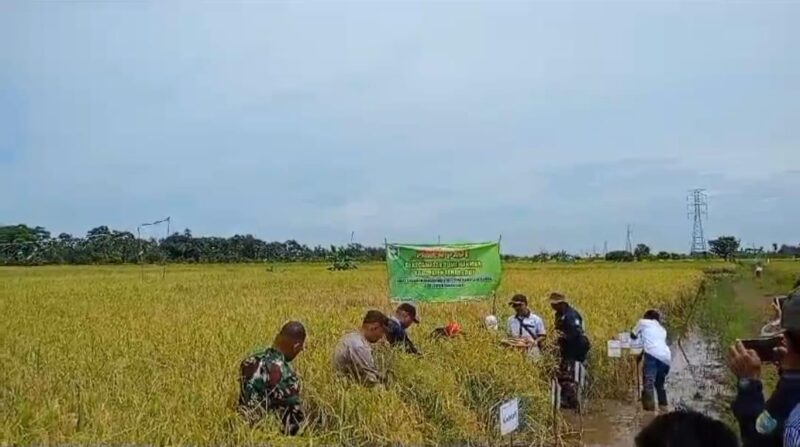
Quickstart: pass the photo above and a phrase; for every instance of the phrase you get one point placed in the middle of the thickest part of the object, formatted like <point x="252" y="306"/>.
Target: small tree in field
<point x="641" y="252"/>
<point x="724" y="247"/>
<point x="341" y="259"/>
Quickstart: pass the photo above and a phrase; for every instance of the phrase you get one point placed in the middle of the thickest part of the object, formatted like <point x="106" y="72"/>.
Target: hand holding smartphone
<point x="764" y="347"/>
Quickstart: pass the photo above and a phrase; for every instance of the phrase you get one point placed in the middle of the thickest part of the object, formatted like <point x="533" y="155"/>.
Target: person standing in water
<point x="657" y="358"/>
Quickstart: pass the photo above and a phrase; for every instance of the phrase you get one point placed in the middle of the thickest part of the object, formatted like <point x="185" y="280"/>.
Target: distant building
<point x="789" y="250"/>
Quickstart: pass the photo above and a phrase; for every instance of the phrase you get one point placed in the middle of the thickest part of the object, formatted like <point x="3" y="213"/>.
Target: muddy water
<point x="697" y="380"/>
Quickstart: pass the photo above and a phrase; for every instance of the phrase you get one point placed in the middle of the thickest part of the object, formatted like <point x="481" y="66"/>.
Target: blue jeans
<point x="654" y="374"/>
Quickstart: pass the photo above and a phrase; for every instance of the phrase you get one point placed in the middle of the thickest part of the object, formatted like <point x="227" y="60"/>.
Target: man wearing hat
<point x="403" y="318"/>
<point x="573" y="346"/>
<point x="775" y="422"/>
<point x="525" y="328"/>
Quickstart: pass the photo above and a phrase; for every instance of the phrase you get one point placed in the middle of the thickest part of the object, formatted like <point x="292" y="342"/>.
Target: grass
<point x="721" y="314"/>
<point x="109" y="355"/>
<point x="738" y="305"/>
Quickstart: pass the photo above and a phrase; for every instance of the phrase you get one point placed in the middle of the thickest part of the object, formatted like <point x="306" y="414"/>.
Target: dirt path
<point x="752" y="298"/>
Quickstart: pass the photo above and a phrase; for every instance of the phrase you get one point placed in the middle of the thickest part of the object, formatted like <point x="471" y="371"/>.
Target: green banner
<point x="436" y="273"/>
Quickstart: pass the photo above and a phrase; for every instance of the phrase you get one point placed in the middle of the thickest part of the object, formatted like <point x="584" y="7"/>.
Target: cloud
<point x="553" y="124"/>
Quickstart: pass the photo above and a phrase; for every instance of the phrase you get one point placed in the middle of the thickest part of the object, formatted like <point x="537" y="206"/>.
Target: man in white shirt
<point x="525" y="328"/>
<point x="657" y="358"/>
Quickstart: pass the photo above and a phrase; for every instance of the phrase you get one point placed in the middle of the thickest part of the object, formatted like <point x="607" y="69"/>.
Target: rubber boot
<point x="648" y="402"/>
<point x="569" y="396"/>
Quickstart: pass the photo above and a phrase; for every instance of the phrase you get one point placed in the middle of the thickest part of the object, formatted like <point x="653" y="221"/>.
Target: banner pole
<point x="388" y="279"/>
<point x="141" y="250"/>
<point x="494" y="293"/>
<point x="164" y="267"/>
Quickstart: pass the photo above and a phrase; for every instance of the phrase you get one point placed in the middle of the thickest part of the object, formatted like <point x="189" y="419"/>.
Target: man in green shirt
<point x="268" y="382"/>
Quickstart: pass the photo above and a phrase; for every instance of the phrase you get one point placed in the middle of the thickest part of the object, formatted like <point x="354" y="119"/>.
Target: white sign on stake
<point x="614" y="348"/>
<point x="509" y="416"/>
<point x="624" y="340"/>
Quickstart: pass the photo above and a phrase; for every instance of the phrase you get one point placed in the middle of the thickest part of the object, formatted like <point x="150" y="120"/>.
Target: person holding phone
<point x="775" y="422"/>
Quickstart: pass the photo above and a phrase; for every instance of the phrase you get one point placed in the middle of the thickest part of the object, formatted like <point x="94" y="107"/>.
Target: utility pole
<point x="605" y="248"/>
<point x="697" y="205"/>
<point x="628" y="242"/>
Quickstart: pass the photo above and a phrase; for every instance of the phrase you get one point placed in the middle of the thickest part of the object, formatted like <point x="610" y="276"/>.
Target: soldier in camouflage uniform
<point x="268" y="382"/>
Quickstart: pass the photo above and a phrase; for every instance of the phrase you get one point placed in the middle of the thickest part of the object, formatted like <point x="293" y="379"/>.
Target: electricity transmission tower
<point x="697" y="205"/>
<point x="628" y="242"/>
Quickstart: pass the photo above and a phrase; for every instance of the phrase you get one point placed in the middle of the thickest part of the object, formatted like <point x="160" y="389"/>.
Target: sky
<point x="553" y="124"/>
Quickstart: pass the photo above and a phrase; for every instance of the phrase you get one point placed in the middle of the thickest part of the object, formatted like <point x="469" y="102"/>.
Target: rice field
<point x="119" y="355"/>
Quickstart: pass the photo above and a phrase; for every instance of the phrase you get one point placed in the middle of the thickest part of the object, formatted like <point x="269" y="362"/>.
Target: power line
<point x="697" y="206"/>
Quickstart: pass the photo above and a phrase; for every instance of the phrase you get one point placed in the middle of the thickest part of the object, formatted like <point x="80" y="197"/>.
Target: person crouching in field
<point x="404" y="317"/>
<point x="657" y="357"/>
<point x="525" y="329"/>
<point x="268" y="383"/>
<point x="352" y="357"/>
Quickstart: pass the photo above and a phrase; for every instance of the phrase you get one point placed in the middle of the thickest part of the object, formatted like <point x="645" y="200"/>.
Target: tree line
<point x="726" y="247"/>
<point x="24" y="245"/>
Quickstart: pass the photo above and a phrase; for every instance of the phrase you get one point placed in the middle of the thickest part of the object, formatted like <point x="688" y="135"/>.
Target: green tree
<point x="22" y="233"/>
<point x="641" y="252"/>
<point x="619" y="256"/>
<point x="724" y="247"/>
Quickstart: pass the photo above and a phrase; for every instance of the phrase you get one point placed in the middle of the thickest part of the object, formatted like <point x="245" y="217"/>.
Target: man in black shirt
<point x="404" y="317"/>
<point x="573" y="347"/>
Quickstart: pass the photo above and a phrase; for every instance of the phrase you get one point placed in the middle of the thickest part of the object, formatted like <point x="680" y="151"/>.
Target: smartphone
<point x="764" y="347"/>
